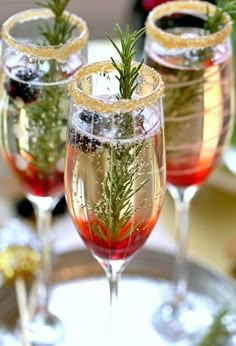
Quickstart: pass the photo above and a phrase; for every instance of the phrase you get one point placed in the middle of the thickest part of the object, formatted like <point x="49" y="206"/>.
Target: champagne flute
<point x="33" y="117"/>
<point x="229" y="157"/>
<point x="196" y="66"/>
<point x="115" y="165"/>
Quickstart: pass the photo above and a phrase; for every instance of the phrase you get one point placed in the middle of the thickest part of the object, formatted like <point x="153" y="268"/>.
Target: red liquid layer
<point x="115" y="249"/>
<point x="188" y="174"/>
<point x="36" y="183"/>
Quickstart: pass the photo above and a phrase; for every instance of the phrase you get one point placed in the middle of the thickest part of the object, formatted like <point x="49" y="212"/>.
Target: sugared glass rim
<point x="60" y="52"/>
<point x="116" y="106"/>
<point x="170" y="41"/>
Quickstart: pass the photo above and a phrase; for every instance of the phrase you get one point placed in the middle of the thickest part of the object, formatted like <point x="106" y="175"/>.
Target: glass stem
<point x="182" y="219"/>
<point x="113" y="273"/>
<point x="113" y="279"/>
<point x="43" y="210"/>
<point x="182" y="199"/>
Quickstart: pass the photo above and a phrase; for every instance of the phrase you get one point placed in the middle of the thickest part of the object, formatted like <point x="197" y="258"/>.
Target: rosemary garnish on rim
<point x="114" y="208"/>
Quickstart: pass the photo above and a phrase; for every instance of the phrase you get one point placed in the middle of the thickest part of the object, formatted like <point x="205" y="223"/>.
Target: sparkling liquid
<point x="197" y="108"/>
<point x="33" y="115"/>
<point x="133" y="171"/>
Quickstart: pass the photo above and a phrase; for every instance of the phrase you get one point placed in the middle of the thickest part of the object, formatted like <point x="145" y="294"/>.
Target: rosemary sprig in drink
<point x="47" y="114"/>
<point x="50" y="104"/>
<point x="188" y="98"/>
<point x="62" y="29"/>
<point x="114" y="208"/>
<point x="215" y="22"/>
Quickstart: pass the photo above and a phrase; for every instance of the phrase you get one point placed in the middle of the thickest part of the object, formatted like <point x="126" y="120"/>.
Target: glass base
<point x="184" y="320"/>
<point x="46" y="330"/>
<point x="8" y="338"/>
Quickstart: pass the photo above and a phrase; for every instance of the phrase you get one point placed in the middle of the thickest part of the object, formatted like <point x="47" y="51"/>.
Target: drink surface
<point x="197" y="107"/>
<point x="33" y="112"/>
<point x="114" y="189"/>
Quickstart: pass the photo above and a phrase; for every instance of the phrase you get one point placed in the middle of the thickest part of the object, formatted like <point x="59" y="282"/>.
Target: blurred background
<point x="101" y="15"/>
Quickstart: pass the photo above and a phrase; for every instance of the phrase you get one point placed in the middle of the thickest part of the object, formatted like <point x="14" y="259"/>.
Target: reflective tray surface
<point x="80" y="297"/>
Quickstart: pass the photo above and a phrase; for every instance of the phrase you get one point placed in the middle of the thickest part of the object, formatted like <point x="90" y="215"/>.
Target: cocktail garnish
<point x="114" y="209"/>
<point x="198" y="53"/>
<point x="62" y="29"/>
<point x="28" y="93"/>
<point x="215" y="22"/>
<point x="44" y="104"/>
<point x="127" y="72"/>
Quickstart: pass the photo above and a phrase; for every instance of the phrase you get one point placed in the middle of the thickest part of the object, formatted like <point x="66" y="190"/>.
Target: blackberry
<point x="83" y="142"/>
<point x="88" y="117"/>
<point x="25" y="91"/>
<point x="87" y="144"/>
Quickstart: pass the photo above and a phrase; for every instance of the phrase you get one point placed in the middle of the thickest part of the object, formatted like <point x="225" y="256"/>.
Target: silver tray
<point x="80" y="296"/>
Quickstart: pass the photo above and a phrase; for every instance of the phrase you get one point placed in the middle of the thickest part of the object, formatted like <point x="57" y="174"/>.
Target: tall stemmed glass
<point x="115" y="164"/>
<point x="197" y="70"/>
<point x="34" y="112"/>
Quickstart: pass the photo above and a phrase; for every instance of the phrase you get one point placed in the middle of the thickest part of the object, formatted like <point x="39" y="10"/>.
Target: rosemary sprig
<point x="114" y="208"/>
<point x="188" y="98"/>
<point x="190" y="94"/>
<point x="61" y="30"/>
<point x="47" y="116"/>
<point x="127" y="73"/>
<point x="217" y="333"/>
<point x="215" y="22"/>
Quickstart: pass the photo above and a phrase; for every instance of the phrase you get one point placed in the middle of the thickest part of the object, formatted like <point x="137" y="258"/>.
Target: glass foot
<point x="179" y="320"/>
<point x="8" y="337"/>
<point x="46" y="330"/>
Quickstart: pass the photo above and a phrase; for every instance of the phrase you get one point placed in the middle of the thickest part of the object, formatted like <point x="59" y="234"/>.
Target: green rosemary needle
<point x="62" y="29"/>
<point x="47" y="115"/>
<point x="215" y="22"/>
<point x="188" y="97"/>
<point x="114" y="208"/>
<point x="217" y="333"/>
<point x="127" y="73"/>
